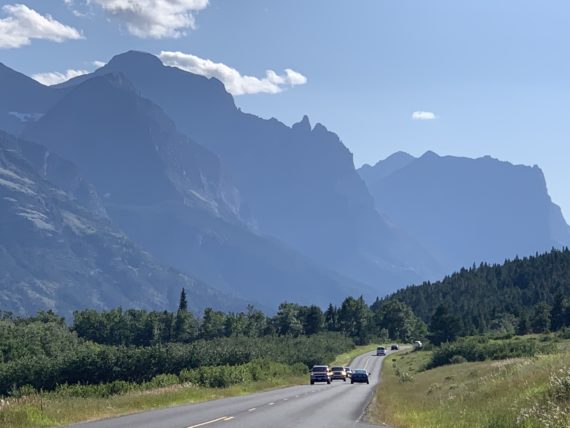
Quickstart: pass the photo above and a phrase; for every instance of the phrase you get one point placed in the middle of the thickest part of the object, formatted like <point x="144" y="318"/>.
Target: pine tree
<point x="183" y="304"/>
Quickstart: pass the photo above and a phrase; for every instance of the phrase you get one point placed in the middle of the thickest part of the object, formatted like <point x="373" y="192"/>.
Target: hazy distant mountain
<point x="299" y="183"/>
<point x="171" y="196"/>
<point x="22" y="99"/>
<point x="58" y="251"/>
<point x="468" y="210"/>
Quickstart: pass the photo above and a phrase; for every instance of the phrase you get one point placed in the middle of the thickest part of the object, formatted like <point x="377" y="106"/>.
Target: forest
<point x="520" y="296"/>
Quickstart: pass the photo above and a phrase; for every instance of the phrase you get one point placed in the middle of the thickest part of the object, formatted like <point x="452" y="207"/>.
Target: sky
<point x="465" y="78"/>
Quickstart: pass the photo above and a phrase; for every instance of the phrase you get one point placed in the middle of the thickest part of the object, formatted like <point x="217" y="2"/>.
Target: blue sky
<point x="495" y="74"/>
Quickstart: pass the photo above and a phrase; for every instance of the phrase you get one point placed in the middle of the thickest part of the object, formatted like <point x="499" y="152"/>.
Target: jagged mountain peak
<point x="304" y="125"/>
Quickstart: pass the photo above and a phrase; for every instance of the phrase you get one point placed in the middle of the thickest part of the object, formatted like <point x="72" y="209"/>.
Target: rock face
<point x="298" y="183"/>
<point x="58" y="250"/>
<point x="170" y="195"/>
<point x="468" y="210"/>
<point x="22" y="99"/>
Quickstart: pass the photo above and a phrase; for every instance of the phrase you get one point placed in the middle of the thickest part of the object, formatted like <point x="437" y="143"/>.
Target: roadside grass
<point x="49" y="409"/>
<point x="346" y="358"/>
<point x="523" y="392"/>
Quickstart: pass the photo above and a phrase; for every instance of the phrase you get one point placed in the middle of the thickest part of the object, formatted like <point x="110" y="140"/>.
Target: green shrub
<point x="481" y="349"/>
<point x="457" y="359"/>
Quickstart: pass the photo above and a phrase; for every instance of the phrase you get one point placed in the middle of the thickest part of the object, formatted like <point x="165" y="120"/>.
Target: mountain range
<point x="468" y="211"/>
<point x="60" y="251"/>
<point x="237" y="207"/>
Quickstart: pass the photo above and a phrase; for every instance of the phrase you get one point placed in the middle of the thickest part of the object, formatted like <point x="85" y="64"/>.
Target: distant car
<point x="348" y="371"/>
<point x="380" y="351"/>
<point x="320" y="374"/>
<point x="394" y="347"/>
<point x="338" y="373"/>
<point x="418" y="345"/>
<point x="359" y="376"/>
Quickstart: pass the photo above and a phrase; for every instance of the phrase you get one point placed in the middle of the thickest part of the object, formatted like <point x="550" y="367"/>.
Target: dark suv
<point x="320" y="374"/>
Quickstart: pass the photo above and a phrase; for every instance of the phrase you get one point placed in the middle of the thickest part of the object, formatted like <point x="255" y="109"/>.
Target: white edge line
<point x="223" y="418"/>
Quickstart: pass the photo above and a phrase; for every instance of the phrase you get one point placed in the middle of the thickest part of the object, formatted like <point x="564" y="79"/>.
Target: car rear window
<point x="360" y="371"/>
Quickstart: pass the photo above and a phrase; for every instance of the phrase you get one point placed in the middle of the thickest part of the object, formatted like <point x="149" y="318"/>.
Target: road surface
<point x="337" y="405"/>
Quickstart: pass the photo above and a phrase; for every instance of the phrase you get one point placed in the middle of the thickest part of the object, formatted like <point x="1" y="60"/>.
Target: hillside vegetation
<point x="520" y="296"/>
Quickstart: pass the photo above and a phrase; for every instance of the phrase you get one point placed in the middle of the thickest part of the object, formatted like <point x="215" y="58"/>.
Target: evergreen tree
<point x="331" y="318"/>
<point x="444" y="327"/>
<point x="558" y="312"/>
<point x="523" y="326"/>
<point x="183" y="303"/>
<point x="540" y="321"/>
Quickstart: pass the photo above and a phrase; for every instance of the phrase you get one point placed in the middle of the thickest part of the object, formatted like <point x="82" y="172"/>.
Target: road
<point x="337" y="405"/>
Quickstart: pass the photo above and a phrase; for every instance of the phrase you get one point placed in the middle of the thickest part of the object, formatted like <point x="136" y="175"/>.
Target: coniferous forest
<point x="524" y="295"/>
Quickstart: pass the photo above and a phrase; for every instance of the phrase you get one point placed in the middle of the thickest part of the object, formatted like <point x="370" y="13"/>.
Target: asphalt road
<point x="337" y="405"/>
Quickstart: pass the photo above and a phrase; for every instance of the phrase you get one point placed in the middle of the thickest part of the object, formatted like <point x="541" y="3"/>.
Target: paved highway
<point x="337" y="405"/>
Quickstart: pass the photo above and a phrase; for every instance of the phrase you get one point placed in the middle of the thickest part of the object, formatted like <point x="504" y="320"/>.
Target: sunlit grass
<point x="507" y="393"/>
<point x="47" y="409"/>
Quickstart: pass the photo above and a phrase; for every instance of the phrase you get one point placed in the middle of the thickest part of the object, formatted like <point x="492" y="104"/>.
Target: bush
<point x="481" y="349"/>
<point x="457" y="359"/>
<point x="90" y="363"/>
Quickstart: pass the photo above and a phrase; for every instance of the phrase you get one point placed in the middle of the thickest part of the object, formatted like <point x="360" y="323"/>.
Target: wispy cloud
<point x="156" y="19"/>
<point x="55" y="77"/>
<point x="233" y="80"/>
<point x="423" y="115"/>
<point x="98" y="64"/>
<point x="23" y="24"/>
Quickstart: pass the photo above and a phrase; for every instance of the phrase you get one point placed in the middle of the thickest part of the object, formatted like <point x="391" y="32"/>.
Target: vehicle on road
<point x="338" y="373"/>
<point x="418" y="345"/>
<point x="348" y="371"/>
<point x="380" y="351"/>
<point x="394" y="347"/>
<point x="320" y="374"/>
<point x="359" y="376"/>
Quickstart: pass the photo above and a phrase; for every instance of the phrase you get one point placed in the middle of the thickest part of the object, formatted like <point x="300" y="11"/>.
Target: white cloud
<point x="234" y="81"/>
<point x="155" y="19"/>
<point x="423" y="115"/>
<point x="54" y="77"/>
<point x="23" y="24"/>
<point x="98" y="64"/>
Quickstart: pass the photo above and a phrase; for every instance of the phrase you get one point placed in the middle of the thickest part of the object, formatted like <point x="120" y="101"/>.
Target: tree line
<point x="353" y="318"/>
<point x="520" y="296"/>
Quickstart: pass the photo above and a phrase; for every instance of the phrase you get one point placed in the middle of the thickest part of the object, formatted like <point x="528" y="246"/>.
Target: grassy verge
<point x="516" y="392"/>
<point x="47" y="409"/>
<point x="346" y="358"/>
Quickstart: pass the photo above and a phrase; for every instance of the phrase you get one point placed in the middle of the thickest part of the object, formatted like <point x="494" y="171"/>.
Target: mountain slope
<point x="469" y="210"/>
<point x="22" y="100"/>
<point x="299" y="183"/>
<point x="59" y="252"/>
<point x="170" y="195"/>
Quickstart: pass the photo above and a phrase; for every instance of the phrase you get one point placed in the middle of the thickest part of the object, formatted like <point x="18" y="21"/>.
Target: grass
<point x="518" y="392"/>
<point x="346" y="358"/>
<point x="47" y="409"/>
